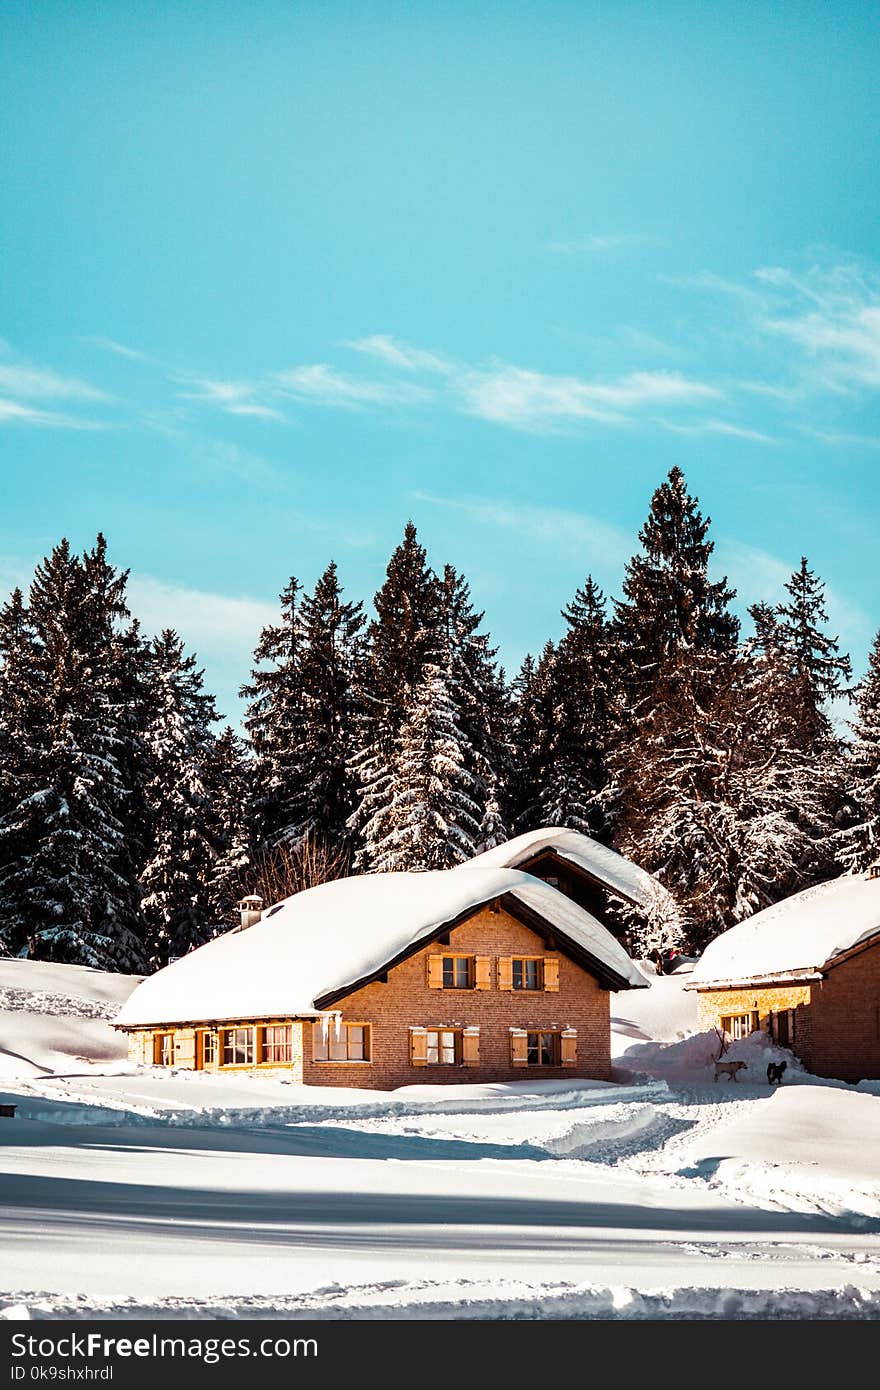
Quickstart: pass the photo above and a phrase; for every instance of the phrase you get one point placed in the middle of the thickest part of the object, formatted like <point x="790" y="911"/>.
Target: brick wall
<point x="845" y="1020"/>
<point x="406" y="1001"/>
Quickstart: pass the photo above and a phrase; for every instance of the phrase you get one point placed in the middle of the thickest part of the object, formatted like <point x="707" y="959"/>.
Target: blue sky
<point x="275" y="277"/>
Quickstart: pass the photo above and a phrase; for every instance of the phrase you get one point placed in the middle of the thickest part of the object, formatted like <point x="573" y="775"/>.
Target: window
<point x="443" y="1047"/>
<point x="739" y="1025"/>
<point x="342" y="1042"/>
<point x="458" y="972"/>
<point x="207" y="1043"/>
<point x="527" y="973"/>
<point x="238" y="1047"/>
<point x="782" y="1027"/>
<point x="163" y="1050"/>
<point x="542" y="1049"/>
<point x="277" y="1044"/>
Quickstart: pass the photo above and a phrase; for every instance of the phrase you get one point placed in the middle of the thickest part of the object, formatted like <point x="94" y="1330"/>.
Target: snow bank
<point x="326" y="940"/>
<point x="801" y="934"/>
<point x="604" y="865"/>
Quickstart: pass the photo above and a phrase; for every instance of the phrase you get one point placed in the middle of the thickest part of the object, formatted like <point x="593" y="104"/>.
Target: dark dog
<point x="774" y="1072"/>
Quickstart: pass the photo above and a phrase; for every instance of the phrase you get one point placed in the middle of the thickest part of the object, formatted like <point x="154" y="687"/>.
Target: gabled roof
<point x="312" y="949"/>
<point x="601" y="864"/>
<point x="801" y="936"/>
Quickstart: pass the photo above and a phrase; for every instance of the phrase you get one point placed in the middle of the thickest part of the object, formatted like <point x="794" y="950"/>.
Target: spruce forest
<point x="390" y="739"/>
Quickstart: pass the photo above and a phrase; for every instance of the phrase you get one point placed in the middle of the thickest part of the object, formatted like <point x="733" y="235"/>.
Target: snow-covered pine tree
<point x="575" y="792"/>
<point x="177" y="876"/>
<point x="275" y="724"/>
<point x="819" y="669"/>
<point x="71" y="891"/>
<point x="330" y="661"/>
<point x="532" y="724"/>
<point x="23" y="710"/>
<point x="226" y="779"/>
<point x="676" y="641"/>
<point x="400" y="641"/>
<point x="477" y="688"/>
<point x="859" y="846"/>
<point x="432" y="819"/>
<point x="670" y="604"/>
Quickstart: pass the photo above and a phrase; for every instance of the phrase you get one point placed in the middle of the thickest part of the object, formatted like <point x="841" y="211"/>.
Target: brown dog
<point x="729" y="1069"/>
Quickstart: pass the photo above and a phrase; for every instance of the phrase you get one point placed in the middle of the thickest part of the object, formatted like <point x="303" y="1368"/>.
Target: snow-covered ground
<point x="143" y="1192"/>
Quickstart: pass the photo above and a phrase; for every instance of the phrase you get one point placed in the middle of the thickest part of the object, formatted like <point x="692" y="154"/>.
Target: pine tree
<point x="177" y="876"/>
<point x="432" y="818"/>
<point x="400" y="641"/>
<point x="331" y="657"/>
<point x="275" y="724"/>
<point x="477" y="689"/>
<point x="23" y="710"/>
<point x="860" y="843"/>
<point x="818" y="668"/>
<point x="226" y="780"/>
<point x="677" y="643"/>
<point x="68" y="886"/>
<point x="576" y="790"/>
<point x="532" y="698"/>
<point x="670" y="604"/>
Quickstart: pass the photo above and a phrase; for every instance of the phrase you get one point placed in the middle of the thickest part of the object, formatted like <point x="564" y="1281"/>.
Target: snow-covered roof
<point x="797" y="936"/>
<point x="605" y="865"/>
<point x="321" y="943"/>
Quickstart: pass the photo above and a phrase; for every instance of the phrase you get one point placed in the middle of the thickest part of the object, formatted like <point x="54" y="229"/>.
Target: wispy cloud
<point x="841" y="439"/>
<point x="834" y="315"/>
<point x="208" y="621"/>
<point x="40" y="383"/>
<point x="585" y="538"/>
<point x="232" y="397"/>
<point x="598" y="243"/>
<point x="322" y="385"/>
<point x="118" y="349"/>
<point x="14" y="413"/>
<point x="719" y="427"/>
<point x="536" y="400"/>
<point x="398" y="354"/>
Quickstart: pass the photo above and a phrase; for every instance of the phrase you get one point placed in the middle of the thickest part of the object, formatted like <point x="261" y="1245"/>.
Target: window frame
<point x="454" y="960"/>
<point x="523" y="962"/>
<point x="541" y="1034"/>
<point x="249" y="1046"/>
<point x="347" y="1060"/>
<point x="286" y="1045"/>
<point x="457" y="1047"/>
<point x="739" y="1026"/>
<point x="163" y="1043"/>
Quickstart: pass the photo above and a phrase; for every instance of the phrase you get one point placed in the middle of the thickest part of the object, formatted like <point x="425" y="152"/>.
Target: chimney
<point x="251" y="909"/>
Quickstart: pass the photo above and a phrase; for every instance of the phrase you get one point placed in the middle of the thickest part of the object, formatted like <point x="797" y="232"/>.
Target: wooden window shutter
<point x="435" y="972"/>
<point x="569" y="1047"/>
<point x="470" y="1047"/>
<point x="519" y="1056"/>
<point x="418" y="1047"/>
<point x="505" y="972"/>
<point x="483" y="972"/>
<point x="551" y="974"/>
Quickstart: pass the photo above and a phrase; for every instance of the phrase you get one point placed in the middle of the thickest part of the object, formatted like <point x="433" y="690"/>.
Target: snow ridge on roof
<point x="327" y="939"/>
<point x="801" y="933"/>
<point x="618" y="874"/>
